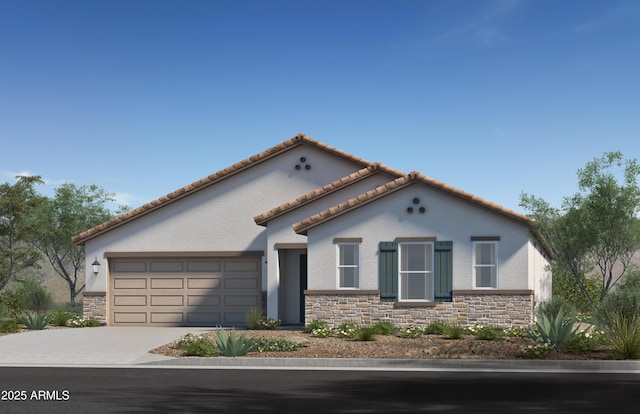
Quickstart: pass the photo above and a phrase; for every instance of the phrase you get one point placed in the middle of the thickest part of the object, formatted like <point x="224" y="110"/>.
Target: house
<point x="306" y="232"/>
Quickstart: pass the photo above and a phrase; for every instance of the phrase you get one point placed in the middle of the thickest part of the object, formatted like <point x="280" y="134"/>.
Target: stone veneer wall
<point x="502" y="308"/>
<point x="94" y="305"/>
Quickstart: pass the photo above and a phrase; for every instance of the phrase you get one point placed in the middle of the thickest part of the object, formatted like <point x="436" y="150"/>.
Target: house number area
<point x="34" y="395"/>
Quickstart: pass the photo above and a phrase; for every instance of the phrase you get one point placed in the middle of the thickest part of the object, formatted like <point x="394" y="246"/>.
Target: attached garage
<point x="183" y="291"/>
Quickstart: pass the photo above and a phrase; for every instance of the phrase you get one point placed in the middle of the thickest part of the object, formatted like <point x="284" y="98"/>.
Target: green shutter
<point x="388" y="272"/>
<point x="443" y="271"/>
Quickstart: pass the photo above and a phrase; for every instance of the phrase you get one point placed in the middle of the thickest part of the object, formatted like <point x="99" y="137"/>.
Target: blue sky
<point x="496" y="97"/>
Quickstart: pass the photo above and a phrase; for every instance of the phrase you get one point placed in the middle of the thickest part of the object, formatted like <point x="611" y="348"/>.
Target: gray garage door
<point x="183" y="292"/>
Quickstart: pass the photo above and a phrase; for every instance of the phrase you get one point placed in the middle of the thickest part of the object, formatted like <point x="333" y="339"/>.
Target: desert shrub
<point x="618" y="317"/>
<point x="347" y="330"/>
<point x="454" y="330"/>
<point x="319" y="329"/>
<point x="539" y="350"/>
<point x="487" y="332"/>
<point x="276" y="345"/>
<point x="556" y="331"/>
<point x="366" y="333"/>
<point x="73" y="307"/>
<point x="256" y="319"/>
<point x="228" y="344"/>
<point x="60" y="317"/>
<point x="9" y="327"/>
<point x="315" y="324"/>
<point x="566" y="287"/>
<point x="37" y="299"/>
<point x="552" y="307"/>
<point x="385" y="328"/>
<point x="410" y="331"/>
<point x="516" y="331"/>
<point x="196" y="345"/>
<point x="12" y="298"/>
<point x="77" y="321"/>
<point x="583" y="342"/>
<point x="435" y="328"/>
<point x="34" y="321"/>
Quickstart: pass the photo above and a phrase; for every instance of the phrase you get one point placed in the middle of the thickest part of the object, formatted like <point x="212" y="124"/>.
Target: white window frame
<point x="428" y="273"/>
<point x="343" y="266"/>
<point x="476" y="265"/>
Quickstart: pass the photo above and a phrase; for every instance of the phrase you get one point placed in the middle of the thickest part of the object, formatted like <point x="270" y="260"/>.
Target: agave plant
<point x="554" y="331"/>
<point x="229" y="344"/>
<point x="34" y="321"/>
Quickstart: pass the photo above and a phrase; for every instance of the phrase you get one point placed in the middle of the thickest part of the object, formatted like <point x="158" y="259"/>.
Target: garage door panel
<point x="130" y="300"/>
<point x="174" y="292"/>
<point x="167" y="300"/>
<point x="203" y="266"/>
<point x="238" y="300"/>
<point x="204" y="283"/>
<point x="132" y="283"/>
<point x="241" y="266"/>
<point x="201" y="300"/>
<point x="166" y="283"/>
<point x="130" y="317"/>
<point x="176" y="318"/>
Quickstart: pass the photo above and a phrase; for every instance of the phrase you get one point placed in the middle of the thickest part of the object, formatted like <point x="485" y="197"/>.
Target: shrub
<point x="276" y="345"/>
<point x="435" y="328"/>
<point x="73" y="307"/>
<point x="319" y="329"/>
<point x="187" y="339"/>
<point x="385" y="328"/>
<point x="411" y="331"/>
<point x="516" y="331"/>
<point x="77" y="321"/>
<point x="34" y="321"/>
<point x="198" y="346"/>
<point x="37" y="299"/>
<point x="619" y="318"/>
<point x="9" y="327"/>
<point x="12" y="298"/>
<point x="556" y="331"/>
<point x="552" y="307"/>
<point x="366" y="333"/>
<point x="347" y="330"/>
<point x="486" y="332"/>
<point x="583" y="342"/>
<point x="59" y="318"/>
<point x="454" y="330"/>
<point x="256" y="319"/>
<point x="228" y="344"/>
<point x="540" y="350"/>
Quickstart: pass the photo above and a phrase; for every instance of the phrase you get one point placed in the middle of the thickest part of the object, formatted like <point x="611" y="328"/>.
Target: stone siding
<point x="501" y="309"/>
<point x="95" y="306"/>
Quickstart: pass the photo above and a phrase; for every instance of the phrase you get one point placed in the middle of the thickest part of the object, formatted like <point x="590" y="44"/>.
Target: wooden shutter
<point x="443" y="271"/>
<point x="388" y="272"/>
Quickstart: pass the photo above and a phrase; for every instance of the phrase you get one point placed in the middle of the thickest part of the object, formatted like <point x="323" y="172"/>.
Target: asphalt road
<point x="159" y="390"/>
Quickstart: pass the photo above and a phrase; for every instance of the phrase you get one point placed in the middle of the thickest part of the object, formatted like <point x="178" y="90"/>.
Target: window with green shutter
<point x="388" y="268"/>
<point x="443" y="271"/>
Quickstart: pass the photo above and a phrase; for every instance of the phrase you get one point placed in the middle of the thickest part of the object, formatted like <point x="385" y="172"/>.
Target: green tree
<point x="596" y="231"/>
<point x="17" y="205"/>
<point x="71" y="211"/>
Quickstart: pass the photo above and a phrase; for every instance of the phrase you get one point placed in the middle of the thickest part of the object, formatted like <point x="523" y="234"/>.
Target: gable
<point x="270" y="178"/>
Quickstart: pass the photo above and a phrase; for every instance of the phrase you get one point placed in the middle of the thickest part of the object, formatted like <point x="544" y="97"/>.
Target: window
<point x="348" y="265"/>
<point x="485" y="264"/>
<point x="416" y="271"/>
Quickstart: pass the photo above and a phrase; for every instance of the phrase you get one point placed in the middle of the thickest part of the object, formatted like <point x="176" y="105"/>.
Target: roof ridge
<point x="326" y="189"/>
<point x="211" y="179"/>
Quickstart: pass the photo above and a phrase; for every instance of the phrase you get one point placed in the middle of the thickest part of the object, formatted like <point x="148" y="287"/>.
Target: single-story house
<point x="306" y="231"/>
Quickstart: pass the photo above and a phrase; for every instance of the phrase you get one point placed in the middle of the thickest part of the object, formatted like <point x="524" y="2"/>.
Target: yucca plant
<point x="228" y="344"/>
<point x="619" y="318"/>
<point x="556" y="331"/>
<point x="34" y="321"/>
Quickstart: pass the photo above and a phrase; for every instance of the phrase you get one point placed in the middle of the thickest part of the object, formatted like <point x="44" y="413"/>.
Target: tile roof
<point x="203" y="183"/>
<point x="343" y="182"/>
<point x="414" y="177"/>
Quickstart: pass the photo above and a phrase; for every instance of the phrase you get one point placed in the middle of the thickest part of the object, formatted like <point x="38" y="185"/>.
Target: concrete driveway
<point x="88" y="346"/>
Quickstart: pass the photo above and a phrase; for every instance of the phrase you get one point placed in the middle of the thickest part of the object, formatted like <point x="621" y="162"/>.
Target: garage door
<point x="183" y="292"/>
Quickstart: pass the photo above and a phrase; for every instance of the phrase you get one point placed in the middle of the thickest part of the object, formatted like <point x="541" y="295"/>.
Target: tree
<point x="71" y="211"/>
<point x="17" y="204"/>
<point x="596" y="231"/>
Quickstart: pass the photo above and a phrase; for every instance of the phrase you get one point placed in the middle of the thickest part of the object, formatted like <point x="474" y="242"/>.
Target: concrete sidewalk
<point x="88" y="346"/>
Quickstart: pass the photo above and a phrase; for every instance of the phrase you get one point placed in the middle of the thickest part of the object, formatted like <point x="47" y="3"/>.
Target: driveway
<point x="88" y="346"/>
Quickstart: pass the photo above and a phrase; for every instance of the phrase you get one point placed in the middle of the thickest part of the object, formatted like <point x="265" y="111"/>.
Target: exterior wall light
<point x="96" y="266"/>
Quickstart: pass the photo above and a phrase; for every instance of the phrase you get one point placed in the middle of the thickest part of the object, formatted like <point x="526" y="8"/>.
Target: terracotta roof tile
<point x="327" y="189"/>
<point x="303" y="226"/>
<point x="198" y="185"/>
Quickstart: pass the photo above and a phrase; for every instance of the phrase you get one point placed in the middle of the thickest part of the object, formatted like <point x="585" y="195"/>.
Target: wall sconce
<point x="96" y="266"/>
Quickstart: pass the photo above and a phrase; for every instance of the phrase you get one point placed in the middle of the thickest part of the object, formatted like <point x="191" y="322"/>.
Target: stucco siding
<point x="447" y="218"/>
<point x="220" y="217"/>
